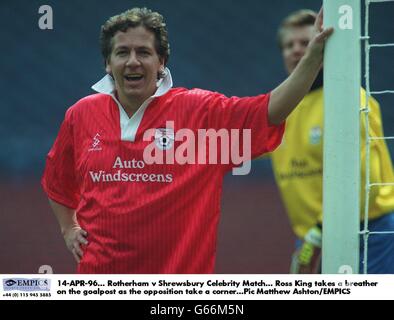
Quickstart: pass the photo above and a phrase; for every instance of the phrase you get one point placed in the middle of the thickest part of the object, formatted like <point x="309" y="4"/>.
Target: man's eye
<point x="121" y="53"/>
<point x="144" y="53"/>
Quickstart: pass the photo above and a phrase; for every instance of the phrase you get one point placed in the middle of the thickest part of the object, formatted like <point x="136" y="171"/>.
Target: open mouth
<point x="133" y="77"/>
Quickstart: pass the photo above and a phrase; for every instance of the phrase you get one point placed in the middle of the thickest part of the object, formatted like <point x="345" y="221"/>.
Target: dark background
<point x="221" y="45"/>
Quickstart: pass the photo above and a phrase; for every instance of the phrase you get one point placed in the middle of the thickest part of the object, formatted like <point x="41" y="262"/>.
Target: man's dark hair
<point x="152" y="21"/>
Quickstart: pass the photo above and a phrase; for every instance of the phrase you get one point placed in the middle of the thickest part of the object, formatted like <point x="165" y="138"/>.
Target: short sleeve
<point x="246" y="113"/>
<point x="59" y="179"/>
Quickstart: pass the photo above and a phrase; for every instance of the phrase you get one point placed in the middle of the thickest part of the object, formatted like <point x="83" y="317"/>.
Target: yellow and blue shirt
<point x="298" y="164"/>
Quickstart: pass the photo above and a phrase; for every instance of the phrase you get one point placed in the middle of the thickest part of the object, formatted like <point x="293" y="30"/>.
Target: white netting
<point x="365" y="109"/>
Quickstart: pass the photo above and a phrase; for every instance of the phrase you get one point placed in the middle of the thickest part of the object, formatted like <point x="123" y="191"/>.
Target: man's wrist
<point x="312" y="59"/>
<point x="67" y="228"/>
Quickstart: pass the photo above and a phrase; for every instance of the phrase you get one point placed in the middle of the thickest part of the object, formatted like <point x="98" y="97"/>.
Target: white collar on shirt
<point x="129" y="126"/>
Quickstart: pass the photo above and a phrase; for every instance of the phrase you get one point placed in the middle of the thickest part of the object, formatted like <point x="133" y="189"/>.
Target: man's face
<point x="134" y="64"/>
<point x="294" y="44"/>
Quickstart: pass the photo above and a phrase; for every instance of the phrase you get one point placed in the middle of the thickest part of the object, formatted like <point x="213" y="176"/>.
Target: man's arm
<point x="287" y="95"/>
<point x="73" y="235"/>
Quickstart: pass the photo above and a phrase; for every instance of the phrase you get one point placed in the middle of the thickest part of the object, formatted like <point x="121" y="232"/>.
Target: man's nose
<point x="298" y="49"/>
<point x="133" y="60"/>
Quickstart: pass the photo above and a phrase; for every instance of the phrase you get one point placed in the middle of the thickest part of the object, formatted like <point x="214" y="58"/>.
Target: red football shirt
<point x="148" y="218"/>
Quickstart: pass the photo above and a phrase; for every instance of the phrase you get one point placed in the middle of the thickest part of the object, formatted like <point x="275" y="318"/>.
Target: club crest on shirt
<point x="164" y="138"/>
<point x="315" y="135"/>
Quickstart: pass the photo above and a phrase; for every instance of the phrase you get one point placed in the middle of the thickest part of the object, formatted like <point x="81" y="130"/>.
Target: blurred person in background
<point x="298" y="164"/>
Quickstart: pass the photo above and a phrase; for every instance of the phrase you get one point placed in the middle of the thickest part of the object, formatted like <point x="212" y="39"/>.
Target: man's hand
<point x="307" y="259"/>
<point x="289" y="93"/>
<point x="316" y="45"/>
<point x="75" y="237"/>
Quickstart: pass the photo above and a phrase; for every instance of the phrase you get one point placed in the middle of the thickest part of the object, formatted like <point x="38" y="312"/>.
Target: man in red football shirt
<point x="121" y="212"/>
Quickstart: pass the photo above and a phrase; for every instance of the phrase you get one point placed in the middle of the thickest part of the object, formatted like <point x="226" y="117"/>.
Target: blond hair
<point x="300" y="18"/>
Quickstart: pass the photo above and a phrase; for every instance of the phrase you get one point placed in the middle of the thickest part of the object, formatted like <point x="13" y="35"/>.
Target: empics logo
<point x="22" y="284"/>
<point x="96" y="143"/>
<point x="10" y="283"/>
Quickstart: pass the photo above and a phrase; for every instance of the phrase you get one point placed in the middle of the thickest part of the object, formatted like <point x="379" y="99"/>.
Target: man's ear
<point x="108" y="68"/>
